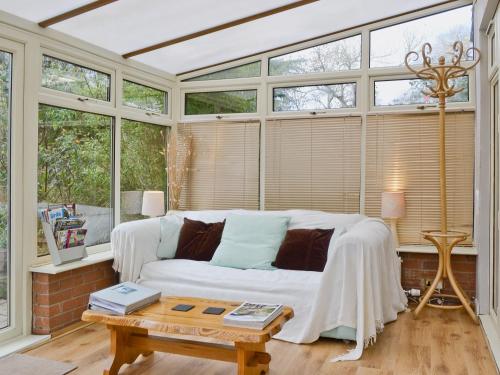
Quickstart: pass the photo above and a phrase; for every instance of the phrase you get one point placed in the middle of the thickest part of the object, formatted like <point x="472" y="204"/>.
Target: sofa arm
<point x="134" y="244"/>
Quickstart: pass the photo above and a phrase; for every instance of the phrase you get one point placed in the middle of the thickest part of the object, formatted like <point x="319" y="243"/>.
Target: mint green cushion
<point x="170" y="228"/>
<point x="250" y="241"/>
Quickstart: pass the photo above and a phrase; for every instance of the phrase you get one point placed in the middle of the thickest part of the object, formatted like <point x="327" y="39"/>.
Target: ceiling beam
<point x="75" y="12"/>
<point x="214" y="29"/>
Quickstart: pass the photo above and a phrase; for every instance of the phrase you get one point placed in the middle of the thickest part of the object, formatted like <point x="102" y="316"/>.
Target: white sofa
<point x="357" y="293"/>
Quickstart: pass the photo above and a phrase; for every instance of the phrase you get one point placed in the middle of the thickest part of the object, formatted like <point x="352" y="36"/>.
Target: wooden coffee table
<point x="130" y="334"/>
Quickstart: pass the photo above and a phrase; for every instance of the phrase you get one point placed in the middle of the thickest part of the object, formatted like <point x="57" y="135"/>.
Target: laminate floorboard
<point x="438" y="343"/>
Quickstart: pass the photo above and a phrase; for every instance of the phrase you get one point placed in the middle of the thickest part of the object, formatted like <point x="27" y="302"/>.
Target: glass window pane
<point x="389" y="46"/>
<point x="75" y="166"/>
<point x="218" y="102"/>
<point x="409" y="91"/>
<point x="242" y="71"/>
<point x="143" y="165"/>
<point x="64" y="76"/>
<point x="144" y="97"/>
<point x="5" y="113"/>
<point x="344" y="54"/>
<point x="312" y="98"/>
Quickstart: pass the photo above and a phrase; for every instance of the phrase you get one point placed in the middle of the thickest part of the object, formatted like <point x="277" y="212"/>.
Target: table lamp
<point x="153" y="203"/>
<point x="393" y="208"/>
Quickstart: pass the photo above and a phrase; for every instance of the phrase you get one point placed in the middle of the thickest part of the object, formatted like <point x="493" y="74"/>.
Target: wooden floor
<point x="439" y="342"/>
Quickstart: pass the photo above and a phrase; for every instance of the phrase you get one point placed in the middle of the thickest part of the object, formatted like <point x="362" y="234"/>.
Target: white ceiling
<point x="127" y="25"/>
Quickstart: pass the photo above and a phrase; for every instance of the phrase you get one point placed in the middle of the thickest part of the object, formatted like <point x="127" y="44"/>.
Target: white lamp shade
<point x="153" y="203"/>
<point x="393" y="204"/>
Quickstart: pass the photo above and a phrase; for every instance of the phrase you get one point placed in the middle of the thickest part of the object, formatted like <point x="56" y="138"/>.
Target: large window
<point x="144" y="97"/>
<point x="143" y="165"/>
<point x="344" y="54"/>
<point x="389" y="46"/>
<point x="5" y="114"/>
<point x="313" y="98"/>
<point x="75" y="166"/>
<point x="64" y="76"/>
<point x="409" y="91"/>
<point x="241" y="71"/>
<point x="217" y="102"/>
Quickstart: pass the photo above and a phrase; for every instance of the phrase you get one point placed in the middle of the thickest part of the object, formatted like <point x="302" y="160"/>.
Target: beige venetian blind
<point x="402" y="153"/>
<point x="313" y="164"/>
<point x="224" y="171"/>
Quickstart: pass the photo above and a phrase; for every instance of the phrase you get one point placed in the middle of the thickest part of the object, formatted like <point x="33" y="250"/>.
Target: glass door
<point x="11" y="115"/>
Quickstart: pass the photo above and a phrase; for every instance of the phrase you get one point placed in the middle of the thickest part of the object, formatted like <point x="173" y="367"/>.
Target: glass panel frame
<point x="136" y="182"/>
<point x="219" y="74"/>
<point x="6" y="269"/>
<point x="398" y="81"/>
<point x="306" y="95"/>
<point x="103" y="97"/>
<point x="252" y="98"/>
<point x="71" y="141"/>
<point x="164" y="107"/>
<point x="412" y="42"/>
<point x="287" y="57"/>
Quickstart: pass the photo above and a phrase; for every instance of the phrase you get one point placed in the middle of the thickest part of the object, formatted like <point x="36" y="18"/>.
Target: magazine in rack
<point x="64" y="232"/>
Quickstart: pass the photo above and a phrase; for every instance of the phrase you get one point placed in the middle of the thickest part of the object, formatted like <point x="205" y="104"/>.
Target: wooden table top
<point x="160" y="317"/>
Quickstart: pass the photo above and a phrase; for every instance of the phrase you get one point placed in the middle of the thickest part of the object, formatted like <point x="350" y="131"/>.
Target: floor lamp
<point x="442" y="75"/>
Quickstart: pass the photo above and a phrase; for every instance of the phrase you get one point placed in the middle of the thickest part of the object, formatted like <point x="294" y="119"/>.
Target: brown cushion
<point x="198" y="240"/>
<point x="304" y="250"/>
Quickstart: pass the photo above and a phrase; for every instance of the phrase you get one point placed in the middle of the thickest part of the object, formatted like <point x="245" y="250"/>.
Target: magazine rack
<point x="64" y="255"/>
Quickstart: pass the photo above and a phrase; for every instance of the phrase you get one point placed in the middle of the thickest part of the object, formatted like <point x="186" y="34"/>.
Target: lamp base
<point x="394" y="230"/>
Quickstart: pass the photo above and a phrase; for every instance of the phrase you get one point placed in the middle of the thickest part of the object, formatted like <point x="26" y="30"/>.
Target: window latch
<point x="422" y="107"/>
<point x="82" y="99"/>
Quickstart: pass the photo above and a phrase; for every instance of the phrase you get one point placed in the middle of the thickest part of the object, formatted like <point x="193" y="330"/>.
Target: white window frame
<point x="218" y="116"/>
<point x="469" y="105"/>
<point x="17" y="257"/>
<point x="339" y="111"/>
<point x="79" y="61"/>
<point x="153" y="117"/>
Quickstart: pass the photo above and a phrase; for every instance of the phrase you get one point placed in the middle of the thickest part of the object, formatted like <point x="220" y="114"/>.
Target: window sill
<point x="91" y="259"/>
<point x="22" y="343"/>
<point x="423" y="249"/>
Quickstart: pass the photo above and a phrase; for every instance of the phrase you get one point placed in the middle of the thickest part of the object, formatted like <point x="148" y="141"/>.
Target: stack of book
<point x="253" y="315"/>
<point x="123" y="299"/>
<point x="65" y="224"/>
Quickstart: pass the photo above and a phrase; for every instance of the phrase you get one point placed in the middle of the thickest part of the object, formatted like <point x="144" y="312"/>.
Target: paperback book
<point x="253" y="315"/>
<point x="123" y="299"/>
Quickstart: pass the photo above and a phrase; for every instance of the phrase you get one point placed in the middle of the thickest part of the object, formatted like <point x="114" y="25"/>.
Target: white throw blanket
<point x="359" y="287"/>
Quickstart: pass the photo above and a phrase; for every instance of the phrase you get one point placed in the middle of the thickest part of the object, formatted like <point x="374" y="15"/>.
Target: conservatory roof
<point x="125" y="26"/>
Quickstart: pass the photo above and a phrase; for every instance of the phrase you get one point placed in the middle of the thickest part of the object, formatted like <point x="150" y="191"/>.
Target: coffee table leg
<point x="119" y="348"/>
<point x="252" y="359"/>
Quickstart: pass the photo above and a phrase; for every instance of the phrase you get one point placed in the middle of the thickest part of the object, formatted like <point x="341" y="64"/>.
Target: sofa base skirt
<point x="340" y="333"/>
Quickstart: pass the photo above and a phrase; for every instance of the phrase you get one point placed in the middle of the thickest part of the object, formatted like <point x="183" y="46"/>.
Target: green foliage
<point x="242" y="71"/>
<point x="238" y="101"/>
<point x="64" y="76"/>
<point x="74" y="157"/>
<point x="144" y="97"/>
<point x="142" y="157"/>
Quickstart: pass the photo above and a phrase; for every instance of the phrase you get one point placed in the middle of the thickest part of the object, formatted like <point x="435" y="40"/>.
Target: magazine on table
<point x="123" y="299"/>
<point x="253" y="315"/>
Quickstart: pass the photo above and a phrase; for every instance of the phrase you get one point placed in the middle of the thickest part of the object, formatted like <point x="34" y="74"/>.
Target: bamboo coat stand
<point x="443" y="239"/>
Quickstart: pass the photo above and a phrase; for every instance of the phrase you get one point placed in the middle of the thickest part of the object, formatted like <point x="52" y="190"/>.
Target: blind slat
<point x="224" y="170"/>
<point x="313" y="164"/>
<point x="402" y="153"/>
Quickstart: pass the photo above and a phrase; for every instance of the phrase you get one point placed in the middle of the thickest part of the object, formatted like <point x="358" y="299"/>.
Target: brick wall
<point x="416" y="267"/>
<point x="59" y="300"/>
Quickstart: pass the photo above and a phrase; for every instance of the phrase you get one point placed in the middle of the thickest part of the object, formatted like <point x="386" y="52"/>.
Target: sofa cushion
<point x="250" y="241"/>
<point x="304" y="250"/>
<point x="198" y="240"/>
<point x="170" y="228"/>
